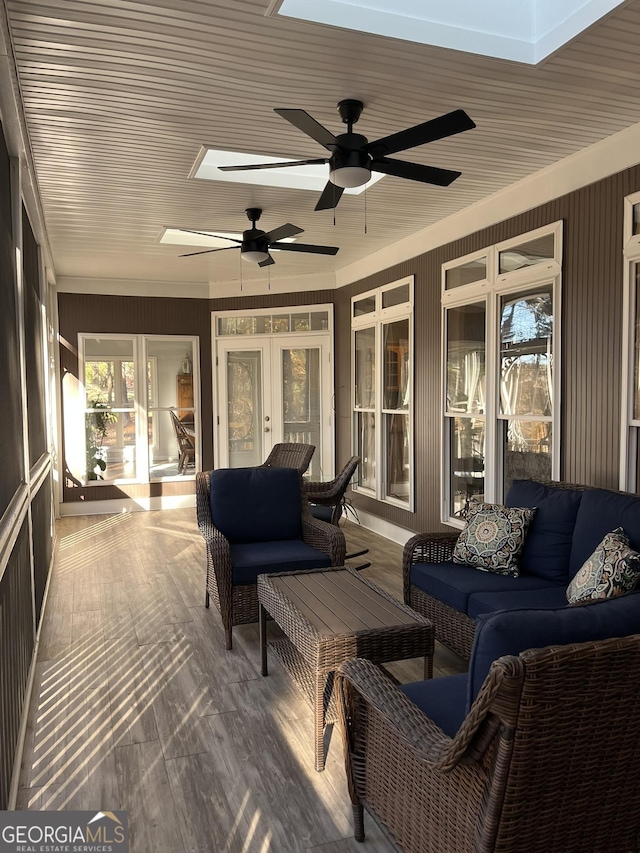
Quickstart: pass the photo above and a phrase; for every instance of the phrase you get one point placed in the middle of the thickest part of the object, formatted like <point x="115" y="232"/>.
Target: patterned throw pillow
<point x="493" y="537"/>
<point x="612" y="569"/>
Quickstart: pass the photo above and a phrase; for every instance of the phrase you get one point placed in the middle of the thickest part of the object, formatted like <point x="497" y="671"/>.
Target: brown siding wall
<point x="591" y="342"/>
<point x="591" y="339"/>
<point x="137" y="315"/>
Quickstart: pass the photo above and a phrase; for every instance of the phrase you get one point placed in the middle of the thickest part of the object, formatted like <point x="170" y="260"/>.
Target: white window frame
<point x="490" y="291"/>
<point x="377" y="319"/>
<point x="140" y="407"/>
<point x="630" y="426"/>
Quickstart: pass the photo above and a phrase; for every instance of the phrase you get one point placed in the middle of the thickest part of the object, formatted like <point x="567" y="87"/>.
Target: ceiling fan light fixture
<point x="348" y="177"/>
<point x="350" y="168"/>
<point x="254" y="255"/>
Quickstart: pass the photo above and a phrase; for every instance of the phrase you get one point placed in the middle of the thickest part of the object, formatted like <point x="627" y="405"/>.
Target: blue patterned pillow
<point x="613" y="569"/>
<point x="493" y="537"/>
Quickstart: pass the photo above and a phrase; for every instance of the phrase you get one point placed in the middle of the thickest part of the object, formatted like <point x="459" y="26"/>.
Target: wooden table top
<point x="337" y="601"/>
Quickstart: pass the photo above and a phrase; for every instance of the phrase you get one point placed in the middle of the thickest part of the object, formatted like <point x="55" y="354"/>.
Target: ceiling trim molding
<point x="196" y="290"/>
<point x="133" y="287"/>
<point x="598" y="161"/>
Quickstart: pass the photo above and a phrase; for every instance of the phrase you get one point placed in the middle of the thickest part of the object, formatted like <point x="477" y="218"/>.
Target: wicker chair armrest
<point x="428" y="742"/>
<point x="210" y="533"/>
<point x="430" y="548"/>
<point x="328" y="538"/>
<point x="323" y="493"/>
<point x="425" y="548"/>
<point x="203" y="507"/>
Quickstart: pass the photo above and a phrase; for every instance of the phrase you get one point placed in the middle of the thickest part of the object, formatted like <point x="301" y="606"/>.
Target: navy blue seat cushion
<point x="532" y="599"/>
<point x="601" y="511"/>
<point x="547" y="548"/>
<point x="443" y="700"/>
<point x="509" y="632"/>
<point x="321" y="512"/>
<point x="250" y="559"/>
<point x="256" y="504"/>
<point x="453" y="583"/>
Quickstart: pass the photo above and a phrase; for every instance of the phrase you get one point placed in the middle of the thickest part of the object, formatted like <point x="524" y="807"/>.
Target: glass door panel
<point x="110" y="421"/>
<point x="301" y="400"/>
<point x="276" y="391"/>
<point x="170" y="406"/>
<point x="247" y="428"/>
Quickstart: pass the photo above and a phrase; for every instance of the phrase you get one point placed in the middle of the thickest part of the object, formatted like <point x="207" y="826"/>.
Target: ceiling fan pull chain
<point x="241" y="273"/>
<point x="269" y="274"/>
<point x="365" y="210"/>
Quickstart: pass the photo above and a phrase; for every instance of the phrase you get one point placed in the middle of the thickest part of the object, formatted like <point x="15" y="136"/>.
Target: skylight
<point x="294" y="177"/>
<point x="520" y="30"/>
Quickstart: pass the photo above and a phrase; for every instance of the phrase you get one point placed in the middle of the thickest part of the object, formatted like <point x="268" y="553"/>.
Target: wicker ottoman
<point x="330" y="616"/>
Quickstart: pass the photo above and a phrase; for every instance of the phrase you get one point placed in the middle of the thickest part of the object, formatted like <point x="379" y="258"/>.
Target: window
<point x="500" y="369"/>
<point x="629" y="457"/>
<point x="382" y="331"/>
<point x="139" y="408"/>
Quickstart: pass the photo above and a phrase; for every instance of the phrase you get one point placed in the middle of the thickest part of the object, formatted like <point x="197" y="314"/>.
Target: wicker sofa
<point x="569" y="523"/>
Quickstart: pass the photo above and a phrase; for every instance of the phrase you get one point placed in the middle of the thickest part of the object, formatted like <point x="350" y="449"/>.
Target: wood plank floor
<point x="138" y="706"/>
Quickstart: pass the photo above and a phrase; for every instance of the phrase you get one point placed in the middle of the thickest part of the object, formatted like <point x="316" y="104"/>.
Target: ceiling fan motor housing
<point x="255" y="245"/>
<point x="350" y="164"/>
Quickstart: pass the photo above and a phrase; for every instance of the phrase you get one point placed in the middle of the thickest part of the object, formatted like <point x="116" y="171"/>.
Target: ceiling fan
<point x="255" y="244"/>
<point x="353" y="157"/>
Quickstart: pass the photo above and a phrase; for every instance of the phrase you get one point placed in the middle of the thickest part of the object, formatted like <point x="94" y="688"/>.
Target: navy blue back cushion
<point x="256" y="504"/>
<point x="547" y="548"/>
<point x="509" y="632"/>
<point x="601" y="511"/>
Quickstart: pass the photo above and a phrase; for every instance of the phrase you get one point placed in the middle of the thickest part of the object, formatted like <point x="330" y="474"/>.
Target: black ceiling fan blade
<point x="283" y="232"/>
<point x="209" y="234"/>
<point x="267" y="262"/>
<point x="304" y="122"/>
<point x="206" y="251"/>
<point x="428" y="131"/>
<point x="330" y="197"/>
<point x="415" y="171"/>
<point x="306" y="247"/>
<point x="317" y="161"/>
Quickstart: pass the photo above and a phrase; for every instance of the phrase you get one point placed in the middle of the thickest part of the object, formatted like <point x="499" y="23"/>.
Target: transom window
<point x="629" y="456"/>
<point x="500" y="365"/>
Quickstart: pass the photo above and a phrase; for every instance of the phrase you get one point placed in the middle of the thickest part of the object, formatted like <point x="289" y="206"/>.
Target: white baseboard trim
<point x="115" y="507"/>
<point x="384" y="528"/>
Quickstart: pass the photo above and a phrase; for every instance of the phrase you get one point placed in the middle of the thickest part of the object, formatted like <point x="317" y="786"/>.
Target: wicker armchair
<point x="326" y="499"/>
<point x="290" y="455"/>
<point x="254" y="505"/>
<point x="545" y="761"/>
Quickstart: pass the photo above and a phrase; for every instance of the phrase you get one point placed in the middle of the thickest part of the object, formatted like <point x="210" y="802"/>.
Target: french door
<point x="273" y="389"/>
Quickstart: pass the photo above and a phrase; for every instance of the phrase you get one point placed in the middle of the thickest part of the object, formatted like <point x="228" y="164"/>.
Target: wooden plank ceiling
<point x="119" y="96"/>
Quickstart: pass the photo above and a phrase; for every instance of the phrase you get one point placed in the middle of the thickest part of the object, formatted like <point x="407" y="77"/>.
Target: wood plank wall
<point x="95" y="314"/>
<point x="26" y="521"/>
<point x="591" y="336"/>
<point x="17" y="645"/>
<point x="591" y="342"/>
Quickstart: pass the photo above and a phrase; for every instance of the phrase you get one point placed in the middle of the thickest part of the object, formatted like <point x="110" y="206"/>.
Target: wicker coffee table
<point x="330" y="616"/>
